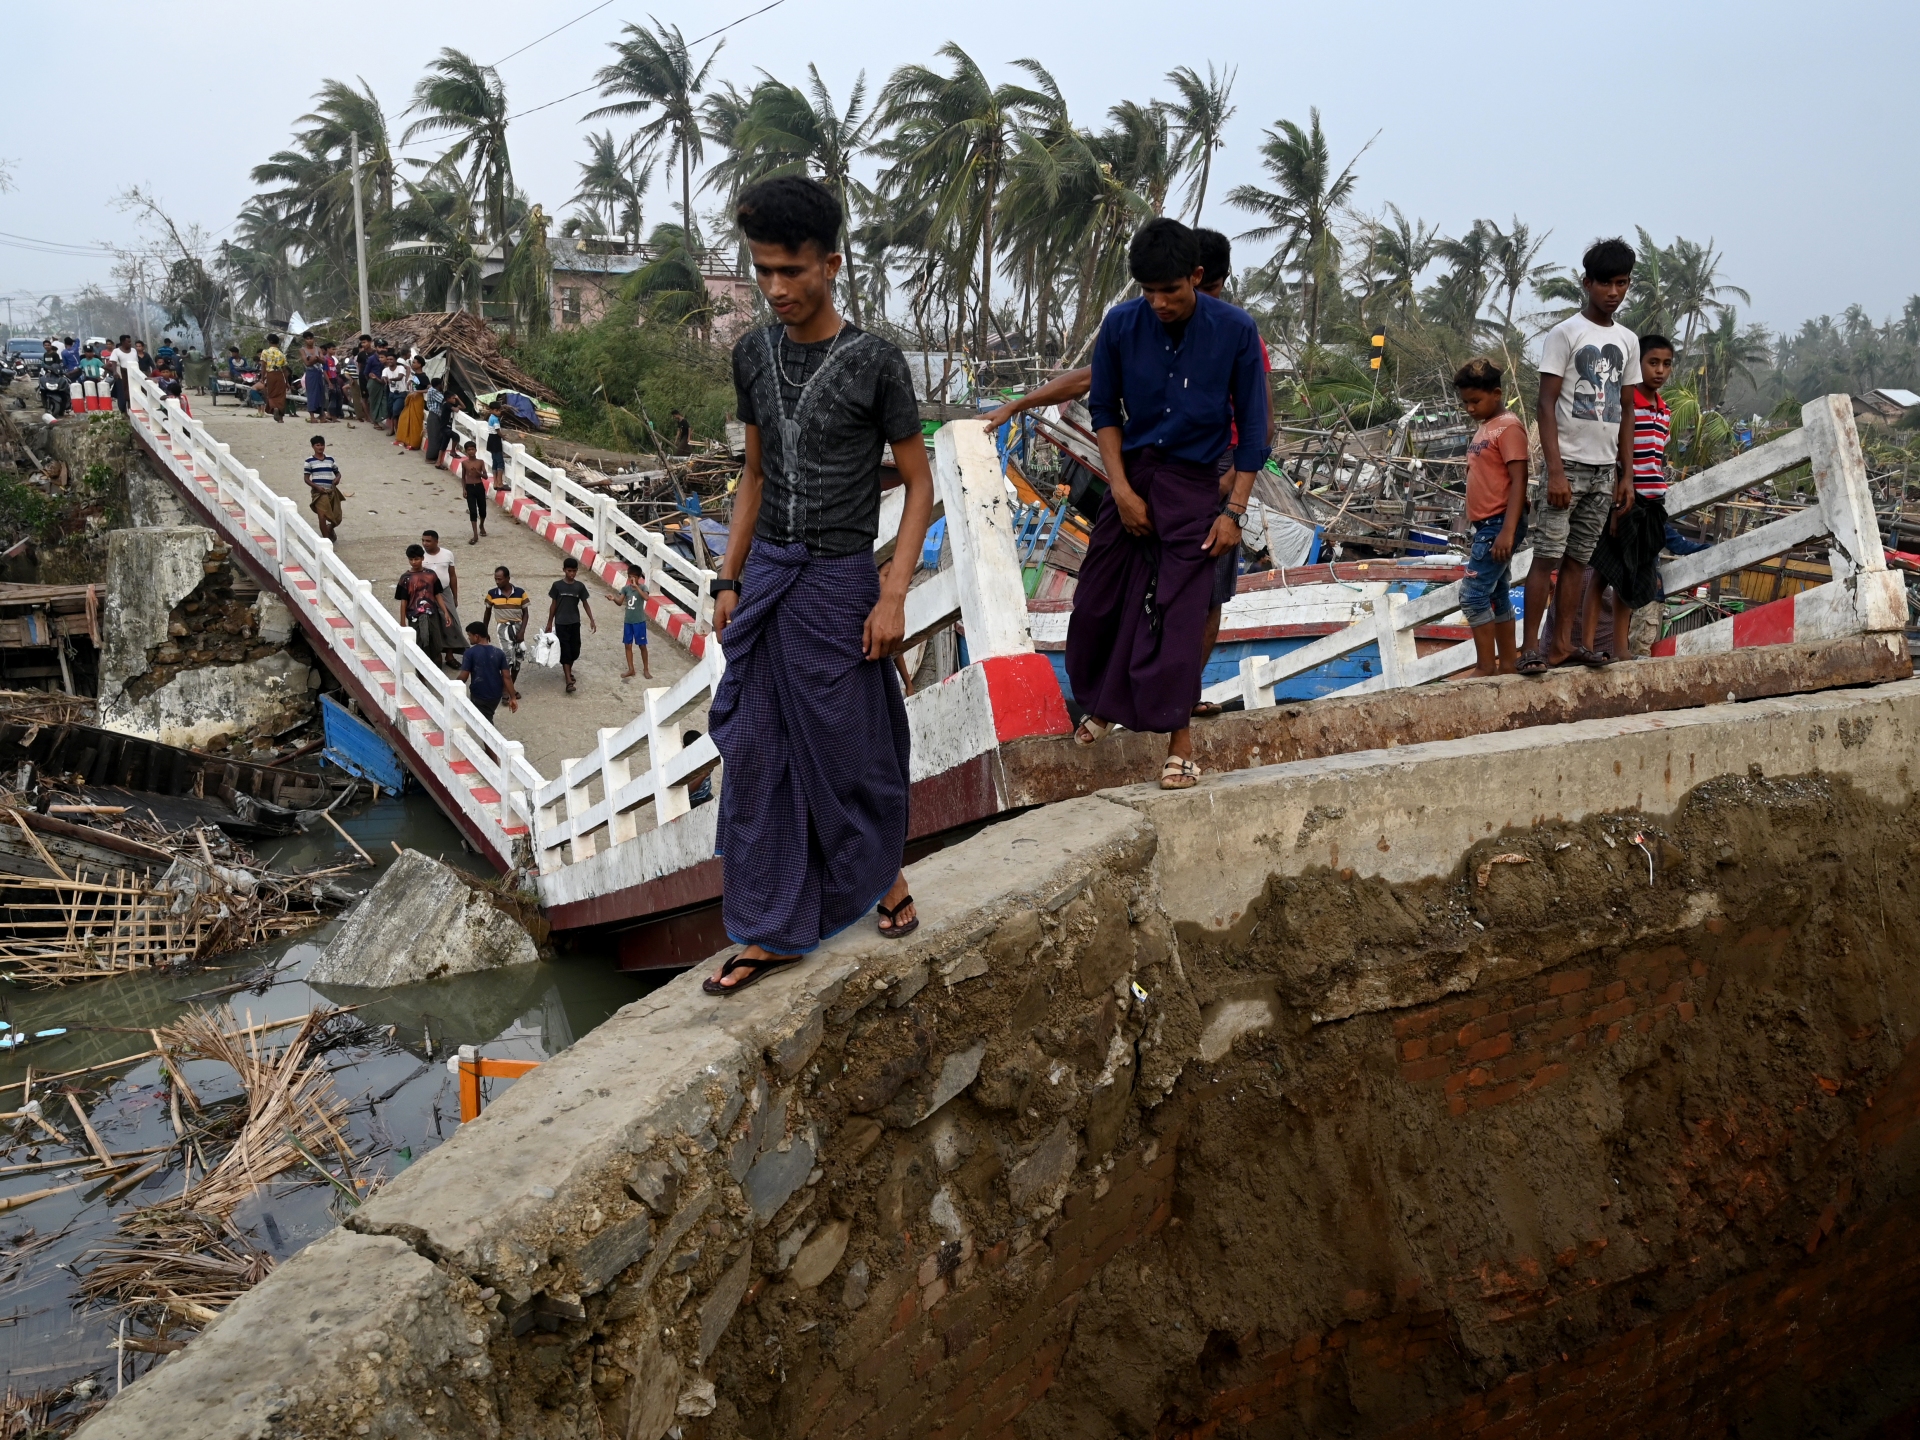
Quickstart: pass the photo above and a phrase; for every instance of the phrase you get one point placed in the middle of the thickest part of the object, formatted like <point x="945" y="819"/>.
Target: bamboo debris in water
<point x="183" y="1259"/>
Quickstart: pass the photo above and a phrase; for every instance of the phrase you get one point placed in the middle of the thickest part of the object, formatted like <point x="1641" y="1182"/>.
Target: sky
<point x="1775" y="133"/>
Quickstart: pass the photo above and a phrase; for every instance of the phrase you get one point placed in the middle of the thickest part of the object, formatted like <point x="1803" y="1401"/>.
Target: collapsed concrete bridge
<point x="1557" y="1081"/>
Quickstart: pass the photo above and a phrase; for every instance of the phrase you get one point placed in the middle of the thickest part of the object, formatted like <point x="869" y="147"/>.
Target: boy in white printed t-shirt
<point x="1587" y="363"/>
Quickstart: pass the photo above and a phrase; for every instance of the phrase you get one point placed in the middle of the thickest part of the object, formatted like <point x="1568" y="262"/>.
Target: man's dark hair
<point x="125" y="338"/>
<point x="790" y="210"/>
<point x="429" y="534"/>
<point x="1216" y="256"/>
<point x="569" y="563"/>
<point x="1478" y="373"/>
<point x="1655" y="342"/>
<point x="271" y="339"/>
<point x="470" y="447"/>
<point x="1163" y="250"/>
<point x="233" y="349"/>
<point x="1607" y="259"/>
<point x="475" y="627"/>
<point x="416" y="552"/>
<point x="503" y="572"/>
<point x="318" y="440"/>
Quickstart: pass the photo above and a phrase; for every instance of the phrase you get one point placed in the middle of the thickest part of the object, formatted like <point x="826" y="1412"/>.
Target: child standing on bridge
<point x="1496" y="504"/>
<point x="633" y="600"/>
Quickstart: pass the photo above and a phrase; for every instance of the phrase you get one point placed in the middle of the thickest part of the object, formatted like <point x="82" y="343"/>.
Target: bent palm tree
<point x="655" y="68"/>
<point x="613" y="185"/>
<point x="1199" y="116"/>
<point x="954" y="135"/>
<point x="458" y="96"/>
<point x="1299" y="210"/>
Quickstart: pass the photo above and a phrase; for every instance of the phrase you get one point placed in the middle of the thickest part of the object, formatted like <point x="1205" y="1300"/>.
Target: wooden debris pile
<point x="81" y="901"/>
<point x="183" y="1259"/>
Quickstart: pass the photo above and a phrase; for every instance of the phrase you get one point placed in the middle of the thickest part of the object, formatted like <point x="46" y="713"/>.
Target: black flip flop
<point x="894" y="931"/>
<point x="765" y="965"/>
<point x="1532" y="663"/>
<point x="1593" y="659"/>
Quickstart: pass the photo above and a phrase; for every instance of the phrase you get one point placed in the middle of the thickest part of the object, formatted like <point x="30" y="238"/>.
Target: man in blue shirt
<point x="1172" y="373"/>
<point x="484" y="667"/>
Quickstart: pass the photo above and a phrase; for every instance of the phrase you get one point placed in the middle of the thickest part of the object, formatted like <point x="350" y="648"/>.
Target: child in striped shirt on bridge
<point x="1629" y="554"/>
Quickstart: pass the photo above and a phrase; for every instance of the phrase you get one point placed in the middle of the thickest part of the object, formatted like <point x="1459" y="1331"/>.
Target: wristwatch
<point x="717" y="587"/>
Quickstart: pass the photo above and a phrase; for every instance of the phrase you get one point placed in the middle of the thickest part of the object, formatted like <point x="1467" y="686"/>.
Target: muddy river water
<point x="403" y="1099"/>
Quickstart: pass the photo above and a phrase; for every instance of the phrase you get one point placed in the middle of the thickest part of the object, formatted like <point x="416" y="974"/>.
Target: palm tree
<point x="1515" y="252"/>
<point x="1695" y="278"/>
<point x="1199" y="116"/>
<point x="953" y="136"/>
<point x="722" y="112"/>
<point x="1727" y="351"/>
<point x="437" y="244"/>
<point x="785" y="131"/>
<point x="1300" y="211"/>
<point x="340" y="113"/>
<point x="655" y="68"/>
<point x="1401" y="251"/>
<point x="1649" y="305"/>
<point x="613" y="185"/>
<point x="459" y="96"/>
<point x="528" y="276"/>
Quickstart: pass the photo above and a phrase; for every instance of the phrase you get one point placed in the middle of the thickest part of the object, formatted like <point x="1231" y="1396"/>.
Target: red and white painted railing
<point x="483" y="778"/>
<point x="590" y="526"/>
<point x="1863" y="597"/>
<point x="585" y="831"/>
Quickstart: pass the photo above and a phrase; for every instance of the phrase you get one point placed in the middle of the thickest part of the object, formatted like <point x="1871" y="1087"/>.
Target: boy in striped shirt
<point x="1652" y="427"/>
<point x="1636" y="628"/>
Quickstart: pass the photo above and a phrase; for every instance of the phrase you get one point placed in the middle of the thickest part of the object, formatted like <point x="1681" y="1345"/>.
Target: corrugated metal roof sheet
<point x="1905" y="399"/>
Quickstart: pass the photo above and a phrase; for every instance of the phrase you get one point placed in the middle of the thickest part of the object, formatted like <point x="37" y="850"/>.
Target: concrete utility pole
<point x="360" y="235"/>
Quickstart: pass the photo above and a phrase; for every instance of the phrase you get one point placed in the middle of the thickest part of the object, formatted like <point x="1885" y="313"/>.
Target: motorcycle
<point x="52" y="390"/>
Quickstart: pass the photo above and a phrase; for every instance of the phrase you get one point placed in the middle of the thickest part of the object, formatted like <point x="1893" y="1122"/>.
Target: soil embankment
<point x="1555" y="1082"/>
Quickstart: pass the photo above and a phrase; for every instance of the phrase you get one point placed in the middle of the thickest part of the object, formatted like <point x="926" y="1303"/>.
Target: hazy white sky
<point x="1786" y="135"/>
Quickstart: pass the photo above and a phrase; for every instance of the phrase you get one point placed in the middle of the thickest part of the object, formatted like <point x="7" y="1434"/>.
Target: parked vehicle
<point x="23" y="355"/>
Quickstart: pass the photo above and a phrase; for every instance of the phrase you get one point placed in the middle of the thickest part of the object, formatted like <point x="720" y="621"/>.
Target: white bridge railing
<point x="594" y="805"/>
<point x="599" y="522"/>
<point x="1862" y="598"/>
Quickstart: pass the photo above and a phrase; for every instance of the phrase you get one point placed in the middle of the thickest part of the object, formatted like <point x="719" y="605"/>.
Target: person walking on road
<point x="439" y="559"/>
<point x="809" y="719"/>
<point x="485" y="669"/>
<point x="273" y="378"/>
<point x="322" y="474"/>
<point x="566" y="601"/>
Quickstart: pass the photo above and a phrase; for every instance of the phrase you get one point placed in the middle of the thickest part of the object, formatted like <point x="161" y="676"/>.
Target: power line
<point x="550" y="34"/>
<point x="51" y="247"/>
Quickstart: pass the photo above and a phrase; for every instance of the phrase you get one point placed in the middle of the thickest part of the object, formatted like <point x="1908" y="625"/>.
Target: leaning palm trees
<point x="613" y="185"/>
<point x="462" y="98"/>
<point x="655" y="70"/>
<point x="953" y="136"/>
<point x="1199" y="116"/>
<point x="1299" y="211"/>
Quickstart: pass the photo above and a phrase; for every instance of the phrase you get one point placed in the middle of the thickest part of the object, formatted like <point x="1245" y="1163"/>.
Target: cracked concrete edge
<point x="384" y="1324"/>
<point x="331" y="1342"/>
<point x="500" y="1200"/>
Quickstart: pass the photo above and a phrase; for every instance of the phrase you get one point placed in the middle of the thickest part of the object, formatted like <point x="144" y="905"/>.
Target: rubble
<point x="423" y="921"/>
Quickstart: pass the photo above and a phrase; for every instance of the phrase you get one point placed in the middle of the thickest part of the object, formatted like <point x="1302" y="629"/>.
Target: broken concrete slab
<point x="422" y="921"/>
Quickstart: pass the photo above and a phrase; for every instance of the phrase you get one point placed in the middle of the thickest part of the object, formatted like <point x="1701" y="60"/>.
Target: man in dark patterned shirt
<point x="808" y="718"/>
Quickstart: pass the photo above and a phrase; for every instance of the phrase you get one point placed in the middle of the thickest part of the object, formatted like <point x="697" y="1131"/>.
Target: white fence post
<point x="663" y="743"/>
<point x="993" y="597"/>
<point x="576" y="803"/>
<point x="615" y="772"/>
<point x="1254" y="695"/>
<point x="1876" y="595"/>
<point x="1398" y="650"/>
